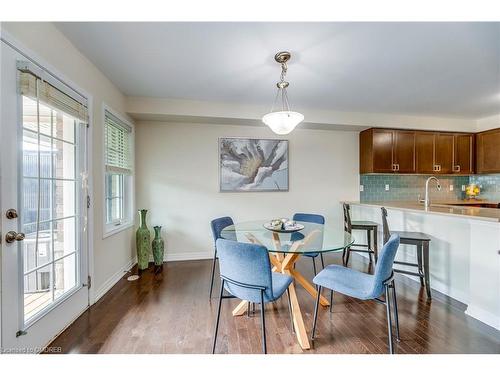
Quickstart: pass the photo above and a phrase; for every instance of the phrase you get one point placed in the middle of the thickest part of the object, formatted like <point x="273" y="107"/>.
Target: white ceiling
<point x="431" y="69"/>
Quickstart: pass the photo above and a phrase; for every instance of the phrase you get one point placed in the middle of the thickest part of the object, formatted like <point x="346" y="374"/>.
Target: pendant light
<point x="283" y="120"/>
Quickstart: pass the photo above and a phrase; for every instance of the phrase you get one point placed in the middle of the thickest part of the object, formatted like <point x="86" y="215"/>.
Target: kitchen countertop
<point x="459" y="208"/>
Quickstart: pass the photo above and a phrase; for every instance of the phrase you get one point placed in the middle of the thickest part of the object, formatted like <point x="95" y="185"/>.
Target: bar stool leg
<point x="369" y="242"/>
<point x="375" y="244"/>
<point x="419" y="261"/>
<point x="426" y="269"/>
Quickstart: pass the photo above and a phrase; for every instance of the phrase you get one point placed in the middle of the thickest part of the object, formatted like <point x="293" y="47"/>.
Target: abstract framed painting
<point x="250" y="165"/>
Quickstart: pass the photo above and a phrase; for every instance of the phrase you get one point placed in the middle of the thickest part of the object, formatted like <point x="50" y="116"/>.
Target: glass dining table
<point x="285" y="249"/>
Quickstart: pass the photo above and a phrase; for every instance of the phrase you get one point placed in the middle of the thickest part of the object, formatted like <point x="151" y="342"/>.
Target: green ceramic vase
<point x="158" y="247"/>
<point x="143" y="242"/>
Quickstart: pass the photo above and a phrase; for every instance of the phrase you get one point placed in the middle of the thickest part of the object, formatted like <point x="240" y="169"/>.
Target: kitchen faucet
<point x="427" y="201"/>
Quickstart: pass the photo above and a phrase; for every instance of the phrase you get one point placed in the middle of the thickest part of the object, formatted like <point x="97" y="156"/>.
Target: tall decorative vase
<point x="143" y="242"/>
<point x="158" y="249"/>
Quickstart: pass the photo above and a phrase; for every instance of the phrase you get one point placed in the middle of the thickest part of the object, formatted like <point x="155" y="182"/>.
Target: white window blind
<point x="118" y="139"/>
<point x="51" y="96"/>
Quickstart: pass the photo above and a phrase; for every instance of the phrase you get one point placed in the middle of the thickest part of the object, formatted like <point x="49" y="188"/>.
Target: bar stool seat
<point x="414" y="236"/>
<point x="421" y="241"/>
<point x="371" y="229"/>
<point x="363" y="224"/>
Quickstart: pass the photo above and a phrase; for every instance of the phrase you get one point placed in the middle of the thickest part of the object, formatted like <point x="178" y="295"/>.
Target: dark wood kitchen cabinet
<point x="404" y="151"/>
<point x="409" y="151"/>
<point x="387" y="151"/>
<point x="383" y="141"/>
<point x="463" y="154"/>
<point x="443" y="153"/>
<point x="488" y="151"/>
<point x="424" y="153"/>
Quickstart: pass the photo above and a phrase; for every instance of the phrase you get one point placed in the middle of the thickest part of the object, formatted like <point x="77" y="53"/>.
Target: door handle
<point x="11" y="213"/>
<point x="12" y="236"/>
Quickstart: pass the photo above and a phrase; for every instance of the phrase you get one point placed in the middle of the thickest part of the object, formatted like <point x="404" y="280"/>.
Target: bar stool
<point x="369" y="227"/>
<point x="421" y="241"/>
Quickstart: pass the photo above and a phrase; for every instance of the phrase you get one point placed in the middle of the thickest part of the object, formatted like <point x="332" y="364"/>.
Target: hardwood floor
<point x="171" y="313"/>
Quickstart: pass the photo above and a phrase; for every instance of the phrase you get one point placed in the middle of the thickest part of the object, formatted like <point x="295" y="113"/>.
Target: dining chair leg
<point x="331" y="300"/>
<point x="263" y="322"/>
<point x="314" y="265"/>
<point x="290" y="309"/>
<point x="253" y="308"/>
<point x="322" y="261"/>
<point x="248" y="309"/>
<point x="218" y="316"/>
<point x="389" y="320"/>
<point x="318" y="289"/>
<point x="395" y="307"/>
<point x="213" y="273"/>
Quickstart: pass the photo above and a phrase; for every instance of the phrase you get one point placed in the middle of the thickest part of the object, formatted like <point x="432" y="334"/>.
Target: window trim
<point x="129" y="183"/>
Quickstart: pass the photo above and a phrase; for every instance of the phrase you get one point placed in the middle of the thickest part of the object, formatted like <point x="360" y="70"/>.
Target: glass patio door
<point x="44" y="210"/>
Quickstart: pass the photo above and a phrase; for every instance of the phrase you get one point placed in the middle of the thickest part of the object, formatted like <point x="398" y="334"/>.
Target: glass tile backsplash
<point x="409" y="187"/>
<point x="489" y="185"/>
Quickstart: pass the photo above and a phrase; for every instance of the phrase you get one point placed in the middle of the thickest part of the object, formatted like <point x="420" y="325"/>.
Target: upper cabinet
<point x="488" y="151"/>
<point x="443" y="153"/>
<point x="463" y="154"/>
<point x="408" y="151"/>
<point x="387" y="151"/>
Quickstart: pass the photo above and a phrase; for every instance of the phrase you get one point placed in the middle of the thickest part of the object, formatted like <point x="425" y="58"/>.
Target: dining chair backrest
<point x="309" y="218"/>
<point x="385" y="262"/>
<point x="218" y="225"/>
<point x="306" y="218"/>
<point x="246" y="269"/>
<point x="385" y="226"/>
<point x="347" y="218"/>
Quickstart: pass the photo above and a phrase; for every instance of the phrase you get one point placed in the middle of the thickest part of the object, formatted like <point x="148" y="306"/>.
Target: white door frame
<point x="33" y="57"/>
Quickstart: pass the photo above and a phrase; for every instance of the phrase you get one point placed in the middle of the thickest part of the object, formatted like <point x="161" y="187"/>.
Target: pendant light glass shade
<point x="283" y="122"/>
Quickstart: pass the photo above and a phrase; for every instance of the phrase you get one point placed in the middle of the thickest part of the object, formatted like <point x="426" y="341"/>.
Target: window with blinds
<point x="119" y="168"/>
<point x="39" y="90"/>
<point x="118" y="158"/>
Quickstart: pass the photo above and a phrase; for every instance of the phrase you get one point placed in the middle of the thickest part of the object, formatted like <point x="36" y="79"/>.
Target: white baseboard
<point x="112" y="280"/>
<point x="175" y="257"/>
<point x="483" y="316"/>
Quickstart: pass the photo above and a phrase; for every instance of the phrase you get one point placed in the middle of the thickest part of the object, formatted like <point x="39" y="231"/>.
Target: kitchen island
<point x="464" y="249"/>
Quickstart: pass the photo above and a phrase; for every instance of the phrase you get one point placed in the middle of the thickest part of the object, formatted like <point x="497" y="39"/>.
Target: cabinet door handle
<point x="456" y="168"/>
<point x="397" y="167"/>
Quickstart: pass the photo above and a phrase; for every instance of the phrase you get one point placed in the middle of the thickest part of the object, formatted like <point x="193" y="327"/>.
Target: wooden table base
<point x="285" y="265"/>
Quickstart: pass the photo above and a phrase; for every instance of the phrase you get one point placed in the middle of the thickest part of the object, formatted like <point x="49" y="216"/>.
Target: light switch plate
<point x="463" y="187"/>
<point x="361" y="188"/>
<point x="386" y="187"/>
<point x="451" y="187"/>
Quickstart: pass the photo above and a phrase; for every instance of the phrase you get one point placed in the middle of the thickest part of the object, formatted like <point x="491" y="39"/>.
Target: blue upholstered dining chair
<point x="245" y="272"/>
<point x="310" y="218"/>
<point x="217" y="226"/>
<point x="365" y="286"/>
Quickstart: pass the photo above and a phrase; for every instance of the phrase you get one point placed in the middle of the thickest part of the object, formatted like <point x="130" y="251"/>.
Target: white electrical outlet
<point x="463" y="187"/>
<point x="451" y="187"/>
<point x="386" y="187"/>
<point x="361" y="188"/>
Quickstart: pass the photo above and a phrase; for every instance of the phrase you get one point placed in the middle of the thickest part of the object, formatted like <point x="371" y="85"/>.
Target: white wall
<point x="177" y="180"/>
<point x="114" y="253"/>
